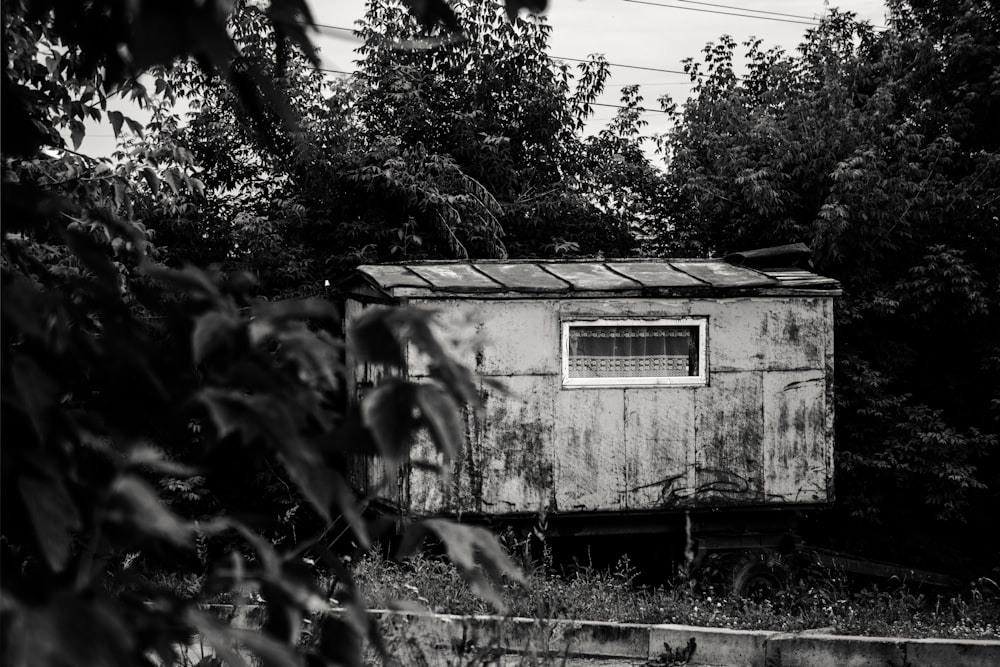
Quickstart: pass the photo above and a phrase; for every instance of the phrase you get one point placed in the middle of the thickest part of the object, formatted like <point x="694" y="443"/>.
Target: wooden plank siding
<point x="590" y="458"/>
<point x="760" y="430"/>
<point x="659" y="446"/>
<point x="728" y="441"/>
<point x="795" y="462"/>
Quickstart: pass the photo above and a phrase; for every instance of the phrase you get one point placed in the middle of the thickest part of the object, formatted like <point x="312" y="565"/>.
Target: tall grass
<point x="824" y="600"/>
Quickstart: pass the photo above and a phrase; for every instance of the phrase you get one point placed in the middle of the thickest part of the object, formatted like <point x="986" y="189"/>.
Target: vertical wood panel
<point x="590" y="449"/>
<point x="795" y="334"/>
<point x="495" y="337"/>
<point x="659" y="446"/>
<point x="427" y="491"/>
<point x="507" y="462"/>
<point x="828" y="397"/>
<point x="514" y="441"/>
<point x="735" y="332"/>
<point x="729" y="439"/>
<point x="795" y="458"/>
<point x="764" y="333"/>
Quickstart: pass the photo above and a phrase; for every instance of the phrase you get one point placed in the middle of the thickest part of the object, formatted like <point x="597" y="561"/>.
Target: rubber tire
<point x="758" y="578"/>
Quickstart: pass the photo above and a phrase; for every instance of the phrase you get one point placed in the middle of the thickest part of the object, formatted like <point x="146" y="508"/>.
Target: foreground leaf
<point x="474" y="550"/>
<point x="443" y="417"/>
<point x="211" y="330"/>
<point x="220" y="637"/>
<point x="137" y="506"/>
<point x="53" y="515"/>
<point x="38" y="393"/>
<point x="388" y="412"/>
<point x="67" y="630"/>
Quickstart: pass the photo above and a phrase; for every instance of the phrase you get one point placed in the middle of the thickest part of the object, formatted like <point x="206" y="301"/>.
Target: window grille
<point x="627" y="352"/>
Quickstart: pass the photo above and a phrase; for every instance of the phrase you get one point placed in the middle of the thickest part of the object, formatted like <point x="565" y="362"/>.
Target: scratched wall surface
<point x="760" y="431"/>
<point x="508" y="462"/>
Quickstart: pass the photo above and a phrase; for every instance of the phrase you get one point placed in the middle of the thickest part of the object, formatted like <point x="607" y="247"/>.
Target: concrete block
<point x="811" y="650"/>
<point x="620" y="640"/>
<point x="713" y="646"/>
<point x="953" y="653"/>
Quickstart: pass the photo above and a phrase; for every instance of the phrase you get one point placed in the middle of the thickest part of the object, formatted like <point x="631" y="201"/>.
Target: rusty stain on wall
<point x="659" y="446"/>
<point x="589" y="438"/>
<point x="759" y="432"/>
<point x="729" y="440"/>
<point x="794" y="430"/>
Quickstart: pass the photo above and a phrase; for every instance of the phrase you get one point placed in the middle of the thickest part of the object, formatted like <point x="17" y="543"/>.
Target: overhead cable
<point x="747" y="9"/>
<point x="749" y="12"/>
<point x="715" y="11"/>
<point x="593" y="104"/>
<point x="575" y="60"/>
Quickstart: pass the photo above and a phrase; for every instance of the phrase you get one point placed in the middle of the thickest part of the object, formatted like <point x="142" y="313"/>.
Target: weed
<point x="822" y="599"/>
<point x="673" y="657"/>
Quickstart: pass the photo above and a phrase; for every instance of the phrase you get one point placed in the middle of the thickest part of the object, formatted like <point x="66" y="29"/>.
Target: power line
<point x="575" y="60"/>
<point x="812" y="19"/>
<point x="578" y="60"/>
<point x="595" y="104"/>
<point x="648" y="69"/>
<point x="619" y="106"/>
<point x="331" y="27"/>
<point x="745" y="9"/>
<point x="653" y="83"/>
<point x="714" y="11"/>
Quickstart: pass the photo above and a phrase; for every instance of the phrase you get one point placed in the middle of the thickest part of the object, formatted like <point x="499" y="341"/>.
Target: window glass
<point x="632" y="352"/>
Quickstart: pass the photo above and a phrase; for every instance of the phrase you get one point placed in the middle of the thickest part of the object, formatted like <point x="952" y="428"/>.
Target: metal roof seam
<point x="420" y="277"/>
<point x="690" y="275"/>
<point x="610" y="268"/>
<point x="475" y="268"/>
<point x="545" y="268"/>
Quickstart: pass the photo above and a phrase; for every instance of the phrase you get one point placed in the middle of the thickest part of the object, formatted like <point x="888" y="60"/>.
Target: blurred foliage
<point x="156" y="410"/>
<point x="880" y="150"/>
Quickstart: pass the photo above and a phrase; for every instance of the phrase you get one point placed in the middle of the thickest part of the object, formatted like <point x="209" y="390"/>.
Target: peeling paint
<point x="759" y="432"/>
<point x="729" y="442"/>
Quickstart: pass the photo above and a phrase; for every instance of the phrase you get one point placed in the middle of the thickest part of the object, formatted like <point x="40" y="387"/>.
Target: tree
<point x="503" y="113"/>
<point x="110" y="359"/>
<point x="860" y="146"/>
<point x="440" y="147"/>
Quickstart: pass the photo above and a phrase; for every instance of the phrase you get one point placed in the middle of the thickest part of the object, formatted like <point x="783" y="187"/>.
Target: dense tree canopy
<point x="438" y="147"/>
<point x="880" y="151"/>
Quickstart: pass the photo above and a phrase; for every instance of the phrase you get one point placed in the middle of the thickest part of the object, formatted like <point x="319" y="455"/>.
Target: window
<point x="633" y="352"/>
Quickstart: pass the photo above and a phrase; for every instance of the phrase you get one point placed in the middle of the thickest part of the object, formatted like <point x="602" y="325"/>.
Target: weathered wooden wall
<point x="759" y="432"/>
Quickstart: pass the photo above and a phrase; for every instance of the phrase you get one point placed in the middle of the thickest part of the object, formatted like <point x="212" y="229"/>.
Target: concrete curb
<point x="638" y="643"/>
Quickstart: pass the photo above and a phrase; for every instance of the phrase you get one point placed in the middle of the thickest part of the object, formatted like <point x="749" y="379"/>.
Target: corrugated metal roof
<point x="607" y="276"/>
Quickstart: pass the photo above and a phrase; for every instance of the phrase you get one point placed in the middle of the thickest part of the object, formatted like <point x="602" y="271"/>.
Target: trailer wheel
<point x="759" y="577"/>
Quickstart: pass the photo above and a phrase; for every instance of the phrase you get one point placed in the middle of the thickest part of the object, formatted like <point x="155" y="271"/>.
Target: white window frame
<point x="675" y="381"/>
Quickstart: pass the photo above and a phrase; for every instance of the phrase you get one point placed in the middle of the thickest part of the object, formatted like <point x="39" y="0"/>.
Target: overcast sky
<point x="656" y="35"/>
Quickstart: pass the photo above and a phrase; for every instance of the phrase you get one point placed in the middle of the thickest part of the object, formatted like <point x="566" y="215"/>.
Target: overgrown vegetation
<point x="874" y="148"/>
<point x="821" y="600"/>
<point x="153" y="407"/>
<point x="468" y="149"/>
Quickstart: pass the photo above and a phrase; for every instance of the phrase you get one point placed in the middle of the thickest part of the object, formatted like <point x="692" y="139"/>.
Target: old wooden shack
<point x="632" y="387"/>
